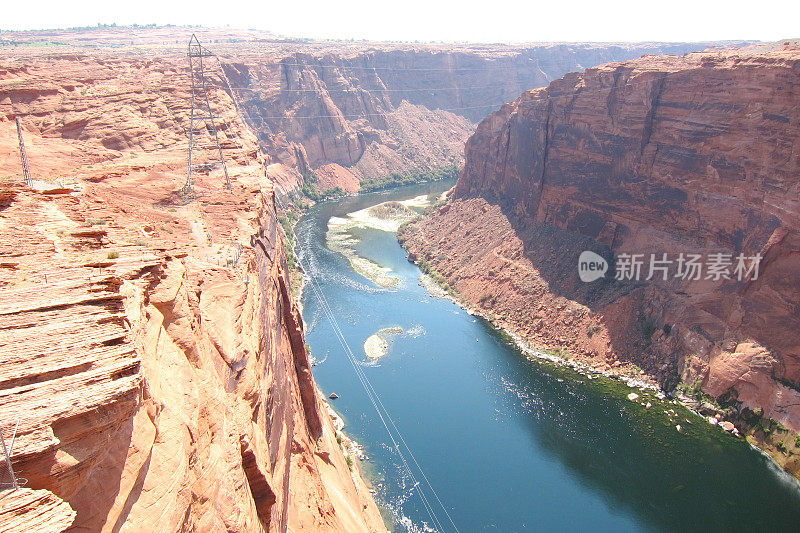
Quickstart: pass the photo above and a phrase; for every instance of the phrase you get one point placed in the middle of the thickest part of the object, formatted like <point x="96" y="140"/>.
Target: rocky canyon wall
<point x="333" y="114"/>
<point x="662" y="155"/>
<point x="366" y="111"/>
<point x="152" y="354"/>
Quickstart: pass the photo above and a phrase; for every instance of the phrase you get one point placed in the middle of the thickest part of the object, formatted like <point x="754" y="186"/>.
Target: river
<point x="511" y="443"/>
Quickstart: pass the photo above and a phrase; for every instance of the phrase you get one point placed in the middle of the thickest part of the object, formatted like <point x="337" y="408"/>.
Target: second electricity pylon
<point x="201" y="118"/>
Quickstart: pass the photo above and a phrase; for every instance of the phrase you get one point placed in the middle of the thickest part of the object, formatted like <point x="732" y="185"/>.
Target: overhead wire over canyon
<point x="394" y="432"/>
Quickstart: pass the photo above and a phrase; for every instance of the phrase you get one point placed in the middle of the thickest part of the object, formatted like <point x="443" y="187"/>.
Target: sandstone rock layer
<point x="664" y="154"/>
<point x="344" y="112"/>
<point x="151" y="350"/>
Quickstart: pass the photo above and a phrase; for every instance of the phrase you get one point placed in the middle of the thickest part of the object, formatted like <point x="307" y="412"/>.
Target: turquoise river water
<point x="508" y="442"/>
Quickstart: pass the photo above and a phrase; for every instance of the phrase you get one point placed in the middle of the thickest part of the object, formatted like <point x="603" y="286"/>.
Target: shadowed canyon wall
<point x="696" y="155"/>
<point x="365" y="111"/>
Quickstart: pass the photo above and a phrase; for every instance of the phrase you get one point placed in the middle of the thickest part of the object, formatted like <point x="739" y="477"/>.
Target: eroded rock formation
<point x="343" y="112"/>
<point x="377" y="109"/>
<point x="151" y="350"/>
<point x="664" y="154"/>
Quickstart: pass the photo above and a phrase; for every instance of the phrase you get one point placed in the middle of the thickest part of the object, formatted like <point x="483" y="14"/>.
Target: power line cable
<point x="375" y="400"/>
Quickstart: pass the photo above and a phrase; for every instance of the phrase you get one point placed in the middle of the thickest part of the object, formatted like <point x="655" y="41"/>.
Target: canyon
<point x="326" y="114"/>
<point x="154" y="363"/>
<point x="672" y="155"/>
<point x="365" y="112"/>
<point x="154" y="355"/>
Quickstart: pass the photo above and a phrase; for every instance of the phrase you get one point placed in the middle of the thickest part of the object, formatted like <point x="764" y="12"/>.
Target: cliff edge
<point x="152" y="354"/>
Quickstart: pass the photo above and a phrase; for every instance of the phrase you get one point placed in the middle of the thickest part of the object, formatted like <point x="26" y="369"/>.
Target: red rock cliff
<point x="664" y="154"/>
<point x="365" y="111"/>
<point x="152" y="353"/>
<point x="344" y="112"/>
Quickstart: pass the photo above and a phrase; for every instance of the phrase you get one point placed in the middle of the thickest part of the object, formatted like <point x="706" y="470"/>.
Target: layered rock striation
<point x="378" y="109"/>
<point x="152" y="354"/>
<point x="694" y="154"/>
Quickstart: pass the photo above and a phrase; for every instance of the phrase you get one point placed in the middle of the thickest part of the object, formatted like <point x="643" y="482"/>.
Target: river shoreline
<point x="643" y="383"/>
<point x="533" y="408"/>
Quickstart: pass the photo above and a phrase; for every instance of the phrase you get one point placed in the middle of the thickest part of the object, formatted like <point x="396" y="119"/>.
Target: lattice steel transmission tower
<point x="201" y="118"/>
<point x="26" y="171"/>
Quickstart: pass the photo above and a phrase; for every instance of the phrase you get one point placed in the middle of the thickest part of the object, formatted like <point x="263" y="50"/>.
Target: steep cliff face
<point x="338" y="112"/>
<point x="695" y="155"/>
<point x="377" y="109"/>
<point x="153" y="355"/>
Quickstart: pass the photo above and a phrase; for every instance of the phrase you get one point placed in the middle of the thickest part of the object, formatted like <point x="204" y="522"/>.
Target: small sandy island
<point x="377" y="345"/>
<point x="386" y="216"/>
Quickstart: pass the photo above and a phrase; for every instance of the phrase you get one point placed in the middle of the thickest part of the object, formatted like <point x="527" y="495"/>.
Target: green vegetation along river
<point x="509" y="443"/>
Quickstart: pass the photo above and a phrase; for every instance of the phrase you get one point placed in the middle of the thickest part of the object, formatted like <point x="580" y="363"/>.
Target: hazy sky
<point x="432" y="20"/>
